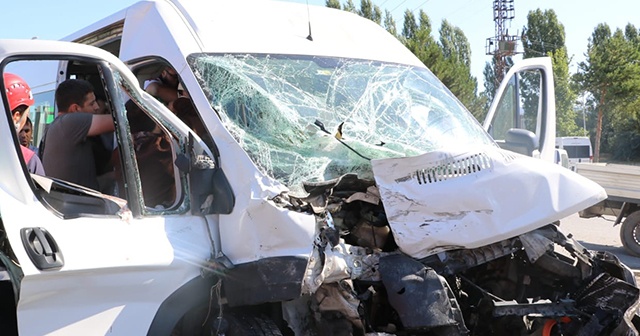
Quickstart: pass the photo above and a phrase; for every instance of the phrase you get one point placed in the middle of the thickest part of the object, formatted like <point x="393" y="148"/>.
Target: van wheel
<point x="244" y="324"/>
<point x="630" y="233"/>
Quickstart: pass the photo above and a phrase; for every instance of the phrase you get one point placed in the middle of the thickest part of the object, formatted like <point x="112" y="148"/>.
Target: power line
<point x="400" y="4"/>
<point x="422" y="4"/>
<point x="472" y="10"/>
<point x="534" y="51"/>
<point x="41" y="85"/>
<point x="457" y="10"/>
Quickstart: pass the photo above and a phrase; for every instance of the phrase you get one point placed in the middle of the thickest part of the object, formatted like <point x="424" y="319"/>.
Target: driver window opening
<point x="154" y="156"/>
<point x="164" y="83"/>
<point x="64" y="195"/>
<point x="519" y="106"/>
<point x="153" y="146"/>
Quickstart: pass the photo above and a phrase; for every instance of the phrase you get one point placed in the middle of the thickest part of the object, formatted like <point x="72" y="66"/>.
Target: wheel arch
<point x="191" y="295"/>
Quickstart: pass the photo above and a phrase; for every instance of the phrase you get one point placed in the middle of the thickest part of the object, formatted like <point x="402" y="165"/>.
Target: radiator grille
<point x="454" y="168"/>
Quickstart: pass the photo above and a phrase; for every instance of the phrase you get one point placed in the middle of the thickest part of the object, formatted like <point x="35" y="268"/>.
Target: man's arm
<point x="163" y="93"/>
<point x="101" y="123"/>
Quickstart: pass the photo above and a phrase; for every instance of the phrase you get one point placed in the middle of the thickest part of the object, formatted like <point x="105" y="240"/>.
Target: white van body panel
<point x="433" y="222"/>
<point x="156" y="27"/>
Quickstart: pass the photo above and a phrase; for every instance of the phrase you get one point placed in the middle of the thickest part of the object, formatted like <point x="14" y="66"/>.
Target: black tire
<point x="630" y="233"/>
<point x="246" y="324"/>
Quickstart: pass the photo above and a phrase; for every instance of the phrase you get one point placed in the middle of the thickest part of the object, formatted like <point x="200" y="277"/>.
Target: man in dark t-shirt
<point x="67" y="154"/>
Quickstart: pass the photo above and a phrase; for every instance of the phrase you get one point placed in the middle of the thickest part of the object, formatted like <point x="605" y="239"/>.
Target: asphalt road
<point x="599" y="234"/>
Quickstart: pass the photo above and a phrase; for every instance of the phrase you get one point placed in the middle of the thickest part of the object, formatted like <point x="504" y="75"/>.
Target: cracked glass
<point x="310" y="118"/>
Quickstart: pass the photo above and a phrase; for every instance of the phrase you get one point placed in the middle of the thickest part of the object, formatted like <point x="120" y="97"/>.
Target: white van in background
<point x="578" y="148"/>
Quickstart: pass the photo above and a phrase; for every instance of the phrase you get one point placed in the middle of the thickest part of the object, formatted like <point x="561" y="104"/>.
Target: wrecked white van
<point x="331" y="185"/>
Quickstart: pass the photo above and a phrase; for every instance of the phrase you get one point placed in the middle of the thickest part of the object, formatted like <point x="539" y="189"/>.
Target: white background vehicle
<point x="412" y="219"/>
<point x="578" y="148"/>
<point x="622" y="184"/>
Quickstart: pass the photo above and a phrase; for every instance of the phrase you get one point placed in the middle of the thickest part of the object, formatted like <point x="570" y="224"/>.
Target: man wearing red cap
<point x="20" y="99"/>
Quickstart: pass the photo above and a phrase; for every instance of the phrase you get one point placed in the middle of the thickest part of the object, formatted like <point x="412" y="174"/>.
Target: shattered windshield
<point x="306" y="118"/>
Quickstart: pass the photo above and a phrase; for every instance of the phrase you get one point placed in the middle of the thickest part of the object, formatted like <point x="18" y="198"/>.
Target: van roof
<point x="573" y="141"/>
<point x="250" y="26"/>
<point x="573" y="137"/>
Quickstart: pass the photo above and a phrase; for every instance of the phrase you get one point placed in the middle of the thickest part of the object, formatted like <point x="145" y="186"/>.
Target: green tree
<point x="418" y="39"/>
<point x="370" y="11"/>
<point x="410" y="26"/>
<point x="332" y="4"/>
<point x="349" y="7"/>
<point x="592" y="76"/>
<point x="454" y="69"/>
<point x="491" y="82"/>
<point x="624" y="118"/>
<point x="454" y="44"/>
<point x="544" y="36"/>
<point x="611" y="75"/>
<point x="631" y="34"/>
<point x="490" y="85"/>
<point x="449" y="58"/>
<point x="565" y="96"/>
<point x="390" y="23"/>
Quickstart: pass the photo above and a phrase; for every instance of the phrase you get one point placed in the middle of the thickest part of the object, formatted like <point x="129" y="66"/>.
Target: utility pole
<point x="584" y="117"/>
<point x="502" y="45"/>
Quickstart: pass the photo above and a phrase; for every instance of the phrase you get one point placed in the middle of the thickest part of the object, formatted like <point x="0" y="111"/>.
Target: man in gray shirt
<point x="67" y="154"/>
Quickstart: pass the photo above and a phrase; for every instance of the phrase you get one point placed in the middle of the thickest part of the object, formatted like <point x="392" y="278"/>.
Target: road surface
<point x="599" y="234"/>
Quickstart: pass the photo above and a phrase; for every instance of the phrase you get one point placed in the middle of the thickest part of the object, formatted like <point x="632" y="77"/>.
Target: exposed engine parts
<point x="539" y="283"/>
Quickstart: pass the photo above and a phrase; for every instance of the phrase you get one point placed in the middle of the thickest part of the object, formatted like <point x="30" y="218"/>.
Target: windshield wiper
<point x="321" y="127"/>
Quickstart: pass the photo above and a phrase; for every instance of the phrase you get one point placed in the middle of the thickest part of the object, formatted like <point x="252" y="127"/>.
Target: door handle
<point x="41" y="248"/>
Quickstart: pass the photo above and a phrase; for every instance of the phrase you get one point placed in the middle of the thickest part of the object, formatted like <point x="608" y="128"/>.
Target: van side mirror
<point x="210" y="190"/>
<point x="520" y="141"/>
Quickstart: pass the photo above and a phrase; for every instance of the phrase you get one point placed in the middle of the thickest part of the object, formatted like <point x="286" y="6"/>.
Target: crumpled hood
<point x="467" y="198"/>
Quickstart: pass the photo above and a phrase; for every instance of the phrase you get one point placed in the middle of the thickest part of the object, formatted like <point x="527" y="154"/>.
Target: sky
<point x="54" y="20"/>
